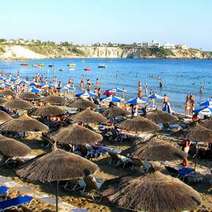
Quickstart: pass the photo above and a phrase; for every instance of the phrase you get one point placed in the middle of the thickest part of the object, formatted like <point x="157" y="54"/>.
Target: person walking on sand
<point x="166" y="104"/>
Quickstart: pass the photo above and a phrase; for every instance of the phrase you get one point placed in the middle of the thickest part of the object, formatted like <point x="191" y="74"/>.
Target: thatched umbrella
<point x="4" y="117"/>
<point x="24" y="124"/>
<point x="89" y="116"/>
<point x="139" y="124"/>
<point x="18" y="104"/>
<point x="55" y="100"/>
<point x="154" y="192"/>
<point x="77" y="135"/>
<point x="155" y="150"/>
<point x="200" y="134"/>
<point x="56" y="166"/>
<point x="2" y="101"/>
<point x="49" y="110"/>
<point x="160" y="117"/>
<point x="115" y="111"/>
<point x="81" y="104"/>
<point x="207" y="124"/>
<point x="8" y="93"/>
<point x="28" y="96"/>
<point x="10" y="147"/>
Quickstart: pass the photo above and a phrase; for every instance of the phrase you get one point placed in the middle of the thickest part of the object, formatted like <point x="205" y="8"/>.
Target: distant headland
<point x="36" y="49"/>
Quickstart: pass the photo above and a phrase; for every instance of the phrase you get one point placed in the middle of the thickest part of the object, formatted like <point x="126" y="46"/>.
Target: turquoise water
<point x="180" y="77"/>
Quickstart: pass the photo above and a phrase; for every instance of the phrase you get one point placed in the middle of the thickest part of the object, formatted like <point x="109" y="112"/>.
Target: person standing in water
<point x="187" y="106"/>
<point x="140" y="92"/>
<point x="192" y="100"/>
<point x="82" y="85"/>
<point x="97" y="83"/>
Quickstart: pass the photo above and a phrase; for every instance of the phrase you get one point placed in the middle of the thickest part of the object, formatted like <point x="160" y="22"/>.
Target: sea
<point x="179" y="77"/>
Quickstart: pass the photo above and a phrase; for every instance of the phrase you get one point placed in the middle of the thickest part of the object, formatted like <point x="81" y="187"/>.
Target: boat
<point x="87" y="69"/>
<point x="71" y="65"/>
<point x="50" y="66"/>
<point x="24" y="64"/>
<point x="101" y="66"/>
<point x="60" y="69"/>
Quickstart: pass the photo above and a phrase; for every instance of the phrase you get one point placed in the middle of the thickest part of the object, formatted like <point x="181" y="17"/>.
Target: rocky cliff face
<point x="55" y="51"/>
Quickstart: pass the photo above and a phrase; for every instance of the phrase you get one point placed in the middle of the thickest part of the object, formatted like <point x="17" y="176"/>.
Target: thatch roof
<point x="7" y="93"/>
<point x="81" y="104"/>
<point x="207" y="124"/>
<point x="89" y="116"/>
<point x="28" y="96"/>
<point x="115" y="111"/>
<point x="12" y="148"/>
<point x="200" y="134"/>
<point x="76" y="134"/>
<point x="55" y="100"/>
<point x="139" y="124"/>
<point x="23" y="124"/>
<point x="155" y="150"/>
<point x="4" y="117"/>
<point x="2" y="101"/>
<point x="49" y="110"/>
<point x="55" y="166"/>
<point x="161" y="117"/>
<point x="18" y="104"/>
<point x="154" y="192"/>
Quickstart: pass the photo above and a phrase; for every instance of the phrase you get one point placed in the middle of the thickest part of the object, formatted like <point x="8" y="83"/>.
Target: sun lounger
<point x="15" y="202"/>
<point x="3" y="192"/>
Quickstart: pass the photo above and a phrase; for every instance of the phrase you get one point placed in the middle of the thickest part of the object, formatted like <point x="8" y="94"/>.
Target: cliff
<point x="52" y="50"/>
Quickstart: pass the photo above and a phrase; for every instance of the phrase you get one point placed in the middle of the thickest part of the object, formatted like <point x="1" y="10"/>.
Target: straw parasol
<point x="154" y="192"/>
<point x="10" y="147"/>
<point x="55" y="100"/>
<point x="18" y="104"/>
<point x="115" y="111"/>
<point x="56" y="166"/>
<point x="23" y="124"/>
<point x="28" y="96"/>
<point x="207" y="124"/>
<point x="200" y="134"/>
<point x="156" y="150"/>
<point x="76" y="134"/>
<point x="8" y="93"/>
<point x="160" y="117"/>
<point x="4" y="117"/>
<point x="139" y="124"/>
<point x="81" y="104"/>
<point x="49" y="110"/>
<point x="2" y="101"/>
<point x="89" y="116"/>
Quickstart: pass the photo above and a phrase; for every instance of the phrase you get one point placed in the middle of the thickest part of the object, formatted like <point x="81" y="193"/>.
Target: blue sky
<point x="123" y="21"/>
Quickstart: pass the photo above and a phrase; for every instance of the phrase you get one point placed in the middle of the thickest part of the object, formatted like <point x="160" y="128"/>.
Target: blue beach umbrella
<point x="114" y="99"/>
<point x="137" y="100"/>
<point x="155" y="96"/>
<point x="206" y="103"/>
<point x="86" y="94"/>
<point x="35" y="90"/>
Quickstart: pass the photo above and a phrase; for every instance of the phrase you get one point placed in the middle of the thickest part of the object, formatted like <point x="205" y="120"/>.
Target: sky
<point x="123" y="21"/>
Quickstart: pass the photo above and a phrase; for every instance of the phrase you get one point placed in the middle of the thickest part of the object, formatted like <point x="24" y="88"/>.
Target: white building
<point x="169" y="46"/>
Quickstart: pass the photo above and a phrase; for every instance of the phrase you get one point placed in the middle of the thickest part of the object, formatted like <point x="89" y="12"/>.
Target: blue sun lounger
<point x="15" y="202"/>
<point x="3" y="191"/>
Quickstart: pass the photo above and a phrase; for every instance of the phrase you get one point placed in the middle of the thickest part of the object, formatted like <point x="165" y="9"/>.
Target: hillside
<point x="63" y="50"/>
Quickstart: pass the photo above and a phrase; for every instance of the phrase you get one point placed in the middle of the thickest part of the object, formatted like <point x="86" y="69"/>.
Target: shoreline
<point x="108" y="58"/>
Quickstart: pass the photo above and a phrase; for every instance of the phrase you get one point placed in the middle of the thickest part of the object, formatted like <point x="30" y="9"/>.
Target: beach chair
<point x="15" y="202"/>
<point x="3" y="192"/>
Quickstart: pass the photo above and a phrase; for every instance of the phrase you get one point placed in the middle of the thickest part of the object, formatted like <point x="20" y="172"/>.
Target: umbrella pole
<point x="57" y="185"/>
